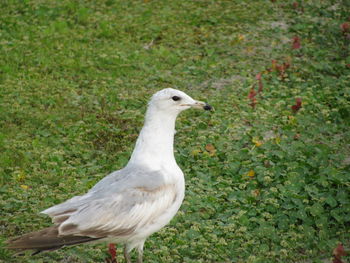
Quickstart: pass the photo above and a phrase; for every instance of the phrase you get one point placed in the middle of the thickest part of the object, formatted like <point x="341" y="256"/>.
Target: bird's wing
<point x="119" y="214"/>
<point x="118" y="205"/>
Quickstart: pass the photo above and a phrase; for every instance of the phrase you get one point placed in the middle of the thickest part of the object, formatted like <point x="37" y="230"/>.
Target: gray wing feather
<point x="119" y="204"/>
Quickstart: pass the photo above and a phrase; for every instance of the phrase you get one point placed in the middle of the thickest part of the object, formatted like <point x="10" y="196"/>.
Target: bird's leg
<point x="140" y="256"/>
<point x="140" y="253"/>
<point x="127" y="255"/>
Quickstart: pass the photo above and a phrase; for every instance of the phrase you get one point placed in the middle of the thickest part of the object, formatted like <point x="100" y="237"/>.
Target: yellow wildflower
<point x="24" y="187"/>
<point x="251" y="173"/>
<point x="240" y="37"/>
<point x="257" y="142"/>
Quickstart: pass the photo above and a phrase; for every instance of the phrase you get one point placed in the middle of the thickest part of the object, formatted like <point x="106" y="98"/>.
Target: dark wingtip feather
<point x="45" y="239"/>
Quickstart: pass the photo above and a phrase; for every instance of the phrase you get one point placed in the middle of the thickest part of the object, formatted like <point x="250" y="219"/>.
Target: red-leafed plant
<point x="338" y="253"/>
<point x="296" y="107"/>
<point x="258" y="77"/>
<point x="296" y="44"/>
<point x="295" y="5"/>
<point x="345" y="27"/>
<point x="298" y="7"/>
<point x="113" y="252"/>
<point x="280" y="68"/>
<point x="252" y="97"/>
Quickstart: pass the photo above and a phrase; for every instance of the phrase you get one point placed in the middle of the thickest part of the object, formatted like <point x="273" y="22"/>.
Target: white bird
<point x="130" y="204"/>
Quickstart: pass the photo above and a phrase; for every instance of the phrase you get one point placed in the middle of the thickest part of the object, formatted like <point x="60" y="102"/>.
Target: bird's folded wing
<point x="119" y="214"/>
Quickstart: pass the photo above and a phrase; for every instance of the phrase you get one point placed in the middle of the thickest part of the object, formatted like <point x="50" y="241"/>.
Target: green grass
<point x="75" y="77"/>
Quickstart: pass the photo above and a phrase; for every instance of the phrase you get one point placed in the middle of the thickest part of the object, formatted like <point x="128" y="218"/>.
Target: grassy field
<point x="267" y="173"/>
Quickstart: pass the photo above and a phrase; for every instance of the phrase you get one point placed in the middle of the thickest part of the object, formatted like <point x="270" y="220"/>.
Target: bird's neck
<point x="155" y="144"/>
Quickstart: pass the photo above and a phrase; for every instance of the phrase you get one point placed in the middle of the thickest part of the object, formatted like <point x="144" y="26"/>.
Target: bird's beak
<point x="199" y="105"/>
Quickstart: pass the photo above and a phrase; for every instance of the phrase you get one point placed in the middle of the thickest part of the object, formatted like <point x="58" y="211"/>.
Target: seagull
<point x="130" y="204"/>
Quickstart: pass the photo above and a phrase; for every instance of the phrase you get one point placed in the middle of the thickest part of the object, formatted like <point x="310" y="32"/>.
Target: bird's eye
<point x="176" y="98"/>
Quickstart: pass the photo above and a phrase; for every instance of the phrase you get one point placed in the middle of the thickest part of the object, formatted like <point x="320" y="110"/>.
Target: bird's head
<point x="175" y="101"/>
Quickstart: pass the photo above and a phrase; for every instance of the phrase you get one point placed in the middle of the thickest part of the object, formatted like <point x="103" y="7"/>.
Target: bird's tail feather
<point x="45" y="239"/>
